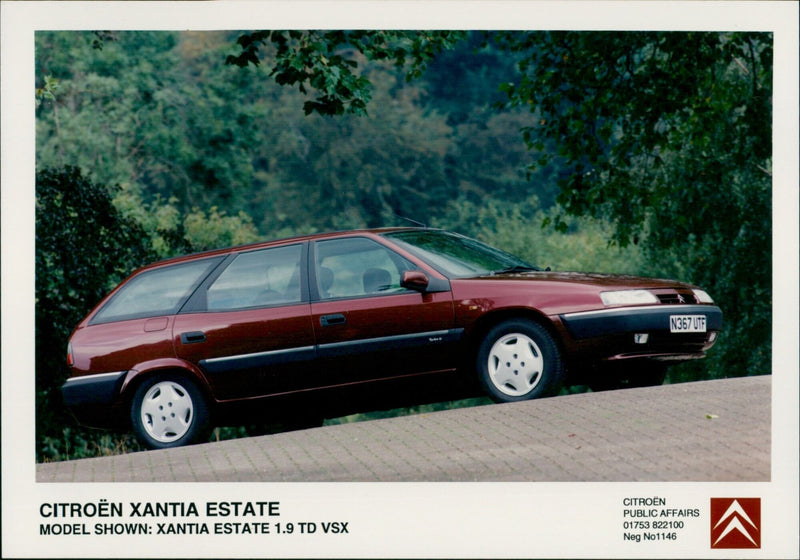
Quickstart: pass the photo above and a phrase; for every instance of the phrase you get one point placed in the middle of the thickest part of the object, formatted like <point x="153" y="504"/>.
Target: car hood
<point x="551" y="293"/>
<point x="604" y="281"/>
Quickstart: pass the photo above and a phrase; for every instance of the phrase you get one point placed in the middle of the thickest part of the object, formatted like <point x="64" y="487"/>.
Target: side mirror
<point x="415" y="280"/>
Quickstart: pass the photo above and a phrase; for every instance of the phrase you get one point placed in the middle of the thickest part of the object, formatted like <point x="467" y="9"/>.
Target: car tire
<point x="169" y="411"/>
<point x="519" y="360"/>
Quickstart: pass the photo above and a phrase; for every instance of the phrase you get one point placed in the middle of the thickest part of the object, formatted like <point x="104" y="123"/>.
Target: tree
<point x="149" y="112"/>
<point x="669" y="136"/>
<point x="628" y="109"/>
<point x="161" y="114"/>
<point x="84" y="246"/>
<point x="323" y="61"/>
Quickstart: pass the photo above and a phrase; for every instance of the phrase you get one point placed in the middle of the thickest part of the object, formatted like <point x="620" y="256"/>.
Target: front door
<point x="366" y="325"/>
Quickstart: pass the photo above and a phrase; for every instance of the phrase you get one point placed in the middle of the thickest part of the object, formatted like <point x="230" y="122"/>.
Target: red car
<point x="300" y="329"/>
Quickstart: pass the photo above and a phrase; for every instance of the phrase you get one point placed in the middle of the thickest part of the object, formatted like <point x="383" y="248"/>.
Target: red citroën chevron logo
<point x="735" y="522"/>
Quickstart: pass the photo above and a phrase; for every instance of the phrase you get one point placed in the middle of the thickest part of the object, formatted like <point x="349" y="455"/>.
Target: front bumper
<point x="609" y="334"/>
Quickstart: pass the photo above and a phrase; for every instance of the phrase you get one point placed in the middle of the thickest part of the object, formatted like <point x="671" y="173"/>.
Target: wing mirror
<point x="415" y="280"/>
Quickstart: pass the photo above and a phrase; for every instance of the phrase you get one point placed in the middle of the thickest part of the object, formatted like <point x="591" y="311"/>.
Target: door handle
<point x="331" y="320"/>
<point x="193" y="337"/>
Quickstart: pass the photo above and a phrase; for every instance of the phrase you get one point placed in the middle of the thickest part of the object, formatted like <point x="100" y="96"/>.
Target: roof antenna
<point x="415" y="222"/>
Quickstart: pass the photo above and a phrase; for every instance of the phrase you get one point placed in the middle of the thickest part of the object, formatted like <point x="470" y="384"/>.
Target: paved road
<point x="703" y="431"/>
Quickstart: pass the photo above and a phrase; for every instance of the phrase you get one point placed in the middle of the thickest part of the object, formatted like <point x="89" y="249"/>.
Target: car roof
<point x="276" y="242"/>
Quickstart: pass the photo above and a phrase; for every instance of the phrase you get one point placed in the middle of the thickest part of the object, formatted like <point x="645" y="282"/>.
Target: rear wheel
<point x="519" y="360"/>
<point x="169" y="411"/>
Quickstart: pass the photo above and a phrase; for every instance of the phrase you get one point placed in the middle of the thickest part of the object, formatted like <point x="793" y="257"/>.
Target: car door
<point x="249" y="326"/>
<point x="367" y="326"/>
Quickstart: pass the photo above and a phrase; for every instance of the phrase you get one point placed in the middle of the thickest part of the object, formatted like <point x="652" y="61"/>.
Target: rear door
<point x="366" y="325"/>
<point x="249" y="326"/>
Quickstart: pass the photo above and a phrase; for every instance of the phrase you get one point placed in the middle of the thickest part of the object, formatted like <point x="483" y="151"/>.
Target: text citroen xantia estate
<point x="296" y="330"/>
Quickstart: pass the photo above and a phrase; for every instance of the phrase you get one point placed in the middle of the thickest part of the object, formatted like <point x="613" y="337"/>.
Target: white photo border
<point x="392" y="519"/>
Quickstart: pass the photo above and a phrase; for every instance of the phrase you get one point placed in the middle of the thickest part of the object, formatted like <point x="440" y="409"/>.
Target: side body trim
<point x="246" y="361"/>
<point x="308" y="353"/>
<point x="396" y="342"/>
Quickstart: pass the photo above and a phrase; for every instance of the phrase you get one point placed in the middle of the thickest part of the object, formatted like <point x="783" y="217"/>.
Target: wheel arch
<point x="489" y="320"/>
<point x="148" y="370"/>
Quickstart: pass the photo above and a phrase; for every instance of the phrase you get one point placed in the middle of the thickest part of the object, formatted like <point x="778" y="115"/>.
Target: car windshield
<point x="457" y="256"/>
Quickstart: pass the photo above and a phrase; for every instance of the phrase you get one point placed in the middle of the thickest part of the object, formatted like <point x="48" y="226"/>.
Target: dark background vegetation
<point x="645" y="153"/>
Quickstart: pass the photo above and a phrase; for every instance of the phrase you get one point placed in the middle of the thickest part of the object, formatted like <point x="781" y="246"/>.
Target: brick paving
<point x="703" y="431"/>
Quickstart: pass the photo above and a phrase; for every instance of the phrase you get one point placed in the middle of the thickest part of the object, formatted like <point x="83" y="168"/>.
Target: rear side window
<point x="258" y="279"/>
<point x="161" y="291"/>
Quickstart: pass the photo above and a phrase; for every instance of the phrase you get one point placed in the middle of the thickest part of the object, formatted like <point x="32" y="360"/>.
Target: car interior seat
<point x="325" y="281"/>
<point x="376" y="279"/>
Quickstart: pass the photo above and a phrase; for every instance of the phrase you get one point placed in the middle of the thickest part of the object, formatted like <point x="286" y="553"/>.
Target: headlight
<point x="702" y="296"/>
<point x="628" y="297"/>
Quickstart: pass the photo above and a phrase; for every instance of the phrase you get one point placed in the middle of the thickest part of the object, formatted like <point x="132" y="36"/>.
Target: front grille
<point x="675" y="297"/>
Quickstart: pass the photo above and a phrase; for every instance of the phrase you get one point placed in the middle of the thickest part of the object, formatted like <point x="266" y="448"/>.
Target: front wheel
<point x="519" y="360"/>
<point x="169" y="411"/>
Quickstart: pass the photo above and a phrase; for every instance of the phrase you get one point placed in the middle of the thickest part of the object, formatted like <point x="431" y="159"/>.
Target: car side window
<point x="356" y="267"/>
<point x="258" y="279"/>
<point x="155" y="292"/>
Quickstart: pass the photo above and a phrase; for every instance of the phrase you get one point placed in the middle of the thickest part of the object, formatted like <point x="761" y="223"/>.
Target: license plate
<point x="687" y="323"/>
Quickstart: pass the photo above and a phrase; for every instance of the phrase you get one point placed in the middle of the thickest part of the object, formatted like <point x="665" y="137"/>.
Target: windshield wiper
<point x="516" y="268"/>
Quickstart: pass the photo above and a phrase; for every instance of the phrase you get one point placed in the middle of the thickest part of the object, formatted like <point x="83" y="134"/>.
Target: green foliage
<point x="161" y="115"/>
<point x="516" y="227"/>
<point x="84" y="246"/>
<point x="630" y="110"/>
<point x="213" y="229"/>
<point x="324" y="61"/>
<point x="172" y="232"/>
<point x="150" y="113"/>
<point x="78" y="443"/>
<point x="47" y="91"/>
